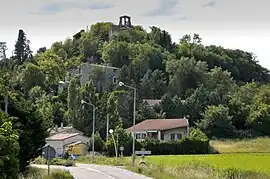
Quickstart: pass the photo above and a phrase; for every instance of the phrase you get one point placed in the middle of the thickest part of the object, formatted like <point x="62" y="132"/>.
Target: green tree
<point x="32" y="76"/>
<point x="185" y="74"/>
<point x="240" y="101"/>
<point x="161" y="37"/>
<point x="22" y="49"/>
<point x="9" y="150"/>
<point x="101" y="30"/>
<point x="217" y="122"/>
<point x="153" y="85"/>
<point x="73" y="100"/>
<point x="259" y="118"/>
<point x="116" y="53"/>
<point x="31" y="127"/>
<point x="52" y="66"/>
<point x="85" y="121"/>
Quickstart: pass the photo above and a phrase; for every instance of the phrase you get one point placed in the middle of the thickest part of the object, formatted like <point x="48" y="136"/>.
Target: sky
<point x="236" y="24"/>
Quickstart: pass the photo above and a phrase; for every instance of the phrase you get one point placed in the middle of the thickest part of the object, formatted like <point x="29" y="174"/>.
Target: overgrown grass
<point x="37" y="173"/>
<point x="259" y="145"/>
<point x="43" y="161"/>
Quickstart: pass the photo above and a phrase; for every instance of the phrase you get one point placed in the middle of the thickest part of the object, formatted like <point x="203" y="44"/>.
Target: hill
<point x="223" y="92"/>
<point x="191" y="79"/>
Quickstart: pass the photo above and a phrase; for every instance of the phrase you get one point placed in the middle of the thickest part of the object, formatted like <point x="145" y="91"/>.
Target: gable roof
<point x="62" y="136"/>
<point x="159" y="124"/>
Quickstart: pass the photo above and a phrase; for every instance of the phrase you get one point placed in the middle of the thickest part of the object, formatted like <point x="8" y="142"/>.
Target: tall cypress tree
<point x="22" y="49"/>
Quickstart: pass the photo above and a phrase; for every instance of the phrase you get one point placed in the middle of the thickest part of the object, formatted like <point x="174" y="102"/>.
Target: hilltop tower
<point x="124" y="24"/>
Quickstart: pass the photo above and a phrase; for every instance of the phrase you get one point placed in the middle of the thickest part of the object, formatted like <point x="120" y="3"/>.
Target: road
<point x="87" y="171"/>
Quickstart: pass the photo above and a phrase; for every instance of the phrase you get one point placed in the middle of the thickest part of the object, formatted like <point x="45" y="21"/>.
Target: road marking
<point x="104" y="174"/>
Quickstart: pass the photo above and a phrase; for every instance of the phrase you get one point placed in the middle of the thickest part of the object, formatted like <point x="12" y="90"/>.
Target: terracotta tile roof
<point x="159" y="124"/>
<point x="62" y="136"/>
<point x="152" y="102"/>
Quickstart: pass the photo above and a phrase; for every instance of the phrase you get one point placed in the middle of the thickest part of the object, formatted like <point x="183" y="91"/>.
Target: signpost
<point x="143" y="152"/>
<point x="122" y="149"/>
<point x="48" y="153"/>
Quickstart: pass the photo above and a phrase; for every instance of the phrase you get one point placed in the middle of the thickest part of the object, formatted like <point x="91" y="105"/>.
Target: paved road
<point x="87" y="171"/>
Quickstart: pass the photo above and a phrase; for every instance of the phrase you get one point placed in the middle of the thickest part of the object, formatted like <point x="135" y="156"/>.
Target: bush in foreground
<point x="37" y="173"/>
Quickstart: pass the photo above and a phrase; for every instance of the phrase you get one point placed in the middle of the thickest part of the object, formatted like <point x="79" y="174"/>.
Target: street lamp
<point x="93" y="130"/>
<point x="134" y="122"/>
<point x="62" y="82"/>
<point x="115" y="145"/>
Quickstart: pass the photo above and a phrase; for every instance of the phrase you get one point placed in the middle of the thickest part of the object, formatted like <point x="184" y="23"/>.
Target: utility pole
<point x="107" y="129"/>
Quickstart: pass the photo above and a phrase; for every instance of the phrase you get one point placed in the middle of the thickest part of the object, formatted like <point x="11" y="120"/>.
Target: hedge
<point x="183" y="146"/>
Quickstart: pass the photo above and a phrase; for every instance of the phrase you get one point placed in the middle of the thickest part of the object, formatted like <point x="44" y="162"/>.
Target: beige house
<point x="161" y="129"/>
<point x="61" y="141"/>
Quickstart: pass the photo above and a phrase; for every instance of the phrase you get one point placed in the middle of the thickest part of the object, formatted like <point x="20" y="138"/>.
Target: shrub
<point x="197" y="134"/>
<point x="99" y="143"/>
<point x="61" y="175"/>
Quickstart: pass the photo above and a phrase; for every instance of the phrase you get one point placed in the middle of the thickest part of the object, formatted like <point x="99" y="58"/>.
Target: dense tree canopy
<point x="223" y="92"/>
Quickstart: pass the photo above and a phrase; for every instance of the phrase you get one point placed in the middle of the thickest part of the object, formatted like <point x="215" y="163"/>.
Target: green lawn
<point x="246" y="162"/>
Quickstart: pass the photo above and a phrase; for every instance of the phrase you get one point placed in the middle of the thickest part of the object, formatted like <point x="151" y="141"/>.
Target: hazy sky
<point x="240" y="24"/>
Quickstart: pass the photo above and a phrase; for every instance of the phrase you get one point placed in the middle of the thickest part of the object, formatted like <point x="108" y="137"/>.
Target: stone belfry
<point x="125" y="21"/>
<point x="124" y="24"/>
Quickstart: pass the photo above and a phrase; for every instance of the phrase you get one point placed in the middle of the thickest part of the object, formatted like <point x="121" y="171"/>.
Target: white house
<point x="60" y="141"/>
<point x="161" y="129"/>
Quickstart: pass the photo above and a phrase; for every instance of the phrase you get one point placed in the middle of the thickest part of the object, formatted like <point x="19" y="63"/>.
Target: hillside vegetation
<point x="224" y="93"/>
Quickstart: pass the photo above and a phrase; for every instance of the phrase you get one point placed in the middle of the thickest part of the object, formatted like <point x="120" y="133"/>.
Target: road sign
<point x="48" y="152"/>
<point x="143" y="152"/>
<point x="121" y="148"/>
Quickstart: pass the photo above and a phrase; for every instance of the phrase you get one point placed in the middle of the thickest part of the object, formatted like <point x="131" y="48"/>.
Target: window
<point x="176" y="136"/>
<point x="172" y="137"/>
<point x="143" y="136"/>
<point x="162" y="136"/>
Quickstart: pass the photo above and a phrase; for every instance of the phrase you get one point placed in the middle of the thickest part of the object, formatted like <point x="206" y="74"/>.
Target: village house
<point x="161" y="129"/>
<point x="61" y="142"/>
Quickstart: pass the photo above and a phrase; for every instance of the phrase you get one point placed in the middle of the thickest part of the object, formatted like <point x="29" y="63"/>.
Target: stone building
<point x="103" y="76"/>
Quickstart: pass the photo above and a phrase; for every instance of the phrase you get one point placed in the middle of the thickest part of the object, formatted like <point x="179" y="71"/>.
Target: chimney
<point x="56" y="128"/>
<point x="62" y="125"/>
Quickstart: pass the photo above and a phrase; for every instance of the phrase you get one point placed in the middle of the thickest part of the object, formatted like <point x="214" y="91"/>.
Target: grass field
<point x="259" y="145"/>
<point x="257" y="163"/>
